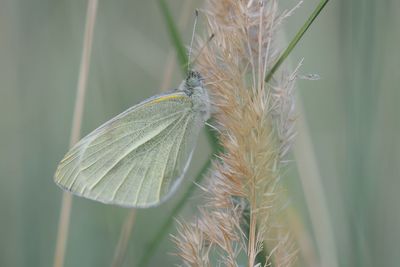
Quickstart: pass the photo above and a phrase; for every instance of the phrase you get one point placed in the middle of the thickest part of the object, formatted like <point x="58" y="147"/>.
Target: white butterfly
<point x="139" y="158"/>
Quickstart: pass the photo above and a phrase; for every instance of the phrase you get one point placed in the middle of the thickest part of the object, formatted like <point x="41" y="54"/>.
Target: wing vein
<point x="124" y="136"/>
<point x="126" y="154"/>
<point x="128" y="134"/>
<point x="141" y="183"/>
<point x="184" y="132"/>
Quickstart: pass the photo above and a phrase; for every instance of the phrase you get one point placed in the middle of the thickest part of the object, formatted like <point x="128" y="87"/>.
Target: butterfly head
<point x="193" y="79"/>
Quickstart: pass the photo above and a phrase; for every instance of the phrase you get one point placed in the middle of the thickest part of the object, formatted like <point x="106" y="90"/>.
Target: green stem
<point x="174" y="35"/>
<point x="212" y="138"/>
<point x="163" y="231"/>
<point x="182" y="57"/>
<point x="296" y="39"/>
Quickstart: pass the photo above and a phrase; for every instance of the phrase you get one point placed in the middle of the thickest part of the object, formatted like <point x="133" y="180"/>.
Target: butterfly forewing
<point x="137" y="158"/>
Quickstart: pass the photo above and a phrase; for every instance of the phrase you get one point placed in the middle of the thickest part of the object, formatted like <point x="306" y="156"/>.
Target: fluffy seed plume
<point x="255" y="121"/>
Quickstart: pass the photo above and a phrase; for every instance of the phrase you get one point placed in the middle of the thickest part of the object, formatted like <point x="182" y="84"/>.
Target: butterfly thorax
<point x="193" y="87"/>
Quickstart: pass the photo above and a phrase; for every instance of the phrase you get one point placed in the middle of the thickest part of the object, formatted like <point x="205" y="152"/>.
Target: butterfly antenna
<point x="204" y="46"/>
<point x="196" y="15"/>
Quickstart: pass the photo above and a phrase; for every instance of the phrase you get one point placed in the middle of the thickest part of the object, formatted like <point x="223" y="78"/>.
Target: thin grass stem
<point x="66" y="205"/>
<point x="212" y="138"/>
<point x="126" y="230"/>
<point x="296" y="39"/>
<point x="174" y="35"/>
<point x="123" y="240"/>
<point x="182" y="57"/>
<point x="314" y="195"/>
<point x="163" y="230"/>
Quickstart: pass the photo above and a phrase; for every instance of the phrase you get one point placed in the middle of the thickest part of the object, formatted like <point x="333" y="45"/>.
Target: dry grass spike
<point x="255" y="120"/>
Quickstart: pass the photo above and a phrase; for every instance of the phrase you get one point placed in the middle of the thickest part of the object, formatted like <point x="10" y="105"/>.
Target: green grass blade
<point x="182" y="57"/>
<point x="163" y="231"/>
<point x="174" y="35"/>
<point x="296" y="39"/>
<point x="212" y="138"/>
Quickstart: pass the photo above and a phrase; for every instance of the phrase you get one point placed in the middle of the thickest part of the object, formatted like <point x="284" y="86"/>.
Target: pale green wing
<point x="136" y="159"/>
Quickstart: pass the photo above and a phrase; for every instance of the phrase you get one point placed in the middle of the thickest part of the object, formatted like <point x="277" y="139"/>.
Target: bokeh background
<point x="344" y="180"/>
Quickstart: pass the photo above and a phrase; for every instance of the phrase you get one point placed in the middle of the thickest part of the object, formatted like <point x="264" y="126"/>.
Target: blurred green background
<point x="351" y="117"/>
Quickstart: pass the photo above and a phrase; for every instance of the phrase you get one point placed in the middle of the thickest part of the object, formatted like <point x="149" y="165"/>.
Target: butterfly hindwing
<point x="137" y="158"/>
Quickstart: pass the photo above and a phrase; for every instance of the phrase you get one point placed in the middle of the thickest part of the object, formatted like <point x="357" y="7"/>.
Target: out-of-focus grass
<point x="352" y="113"/>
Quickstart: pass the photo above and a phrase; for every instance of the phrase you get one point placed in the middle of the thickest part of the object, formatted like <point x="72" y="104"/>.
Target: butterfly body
<point x="139" y="158"/>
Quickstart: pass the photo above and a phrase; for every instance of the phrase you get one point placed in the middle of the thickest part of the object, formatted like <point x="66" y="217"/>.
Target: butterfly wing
<point x="136" y="159"/>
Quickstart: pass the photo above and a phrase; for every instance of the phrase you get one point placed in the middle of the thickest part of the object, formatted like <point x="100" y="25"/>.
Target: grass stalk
<point x="123" y="240"/>
<point x="176" y="39"/>
<point x="163" y="230"/>
<point x="126" y="230"/>
<point x="252" y="254"/>
<point x="182" y="58"/>
<point x="314" y="195"/>
<point x="66" y="205"/>
<point x="296" y="39"/>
